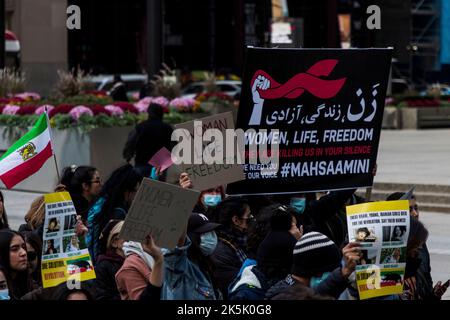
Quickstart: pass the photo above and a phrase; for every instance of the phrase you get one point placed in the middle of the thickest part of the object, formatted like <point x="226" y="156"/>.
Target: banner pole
<point x="51" y="143"/>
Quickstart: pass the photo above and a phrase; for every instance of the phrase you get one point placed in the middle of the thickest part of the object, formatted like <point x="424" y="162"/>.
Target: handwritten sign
<point x="159" y="209"/>
<point x="206" y="176"/>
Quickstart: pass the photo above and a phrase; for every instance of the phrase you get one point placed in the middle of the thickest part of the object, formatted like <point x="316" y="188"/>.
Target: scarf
<point x="132" y="247"/>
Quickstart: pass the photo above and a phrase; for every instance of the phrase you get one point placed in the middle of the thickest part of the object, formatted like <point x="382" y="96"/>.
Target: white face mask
<point x="4" y="294"/>
<point x="208" y="243"/>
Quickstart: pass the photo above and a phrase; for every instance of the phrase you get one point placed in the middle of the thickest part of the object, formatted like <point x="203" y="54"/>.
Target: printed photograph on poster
<point x="398" y="233"/>
<point x="51" y="247"/>
<point x="73" y="243"/>
<point x="54" y="225"/>
<point x="79" y="266"/>
<point x="365" y="234"/>
<point x="368" y="256"/>
<point x="70" y="222"/>
<point x="393" y="255"/>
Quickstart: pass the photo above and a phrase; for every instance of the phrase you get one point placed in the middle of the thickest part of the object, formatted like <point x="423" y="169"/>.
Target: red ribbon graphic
<point x="308" y="81"/>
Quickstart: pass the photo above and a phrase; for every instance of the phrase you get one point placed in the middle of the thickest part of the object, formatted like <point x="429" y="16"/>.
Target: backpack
<point x="94" y="227"/>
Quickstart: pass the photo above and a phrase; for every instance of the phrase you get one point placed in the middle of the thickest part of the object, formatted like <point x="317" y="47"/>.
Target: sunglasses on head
<point x="31" y="255"/>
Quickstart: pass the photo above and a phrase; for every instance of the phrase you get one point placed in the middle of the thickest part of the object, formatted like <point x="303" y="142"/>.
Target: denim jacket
<point x="183" y="280"/>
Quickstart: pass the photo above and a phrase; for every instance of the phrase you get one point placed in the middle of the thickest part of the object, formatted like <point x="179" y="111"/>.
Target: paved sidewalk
<point x="414" y="156"/>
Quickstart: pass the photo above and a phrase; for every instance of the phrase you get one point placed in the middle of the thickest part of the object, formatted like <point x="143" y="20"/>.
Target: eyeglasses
<point x="250" y="217"/>
<point x="31" y="255"/>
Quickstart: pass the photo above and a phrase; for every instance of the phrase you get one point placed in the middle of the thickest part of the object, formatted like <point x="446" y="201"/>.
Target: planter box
<point x="391" y="118"/>
<point x="101" y="148"/>
<point x="425" y="117"/>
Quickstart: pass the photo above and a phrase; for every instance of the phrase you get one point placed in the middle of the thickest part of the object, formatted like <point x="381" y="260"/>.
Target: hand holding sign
<point x="159" y="209"/>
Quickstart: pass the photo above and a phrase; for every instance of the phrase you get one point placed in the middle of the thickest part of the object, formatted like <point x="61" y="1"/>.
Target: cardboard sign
<point x="327" y="105"/>
<point x="382" y="228"/>
<point x="206" y="176"/>
<point x="65" y="257"/>
<point x="159" y="209"/>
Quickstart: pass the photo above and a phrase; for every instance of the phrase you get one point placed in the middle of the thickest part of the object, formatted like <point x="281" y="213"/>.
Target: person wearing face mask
<point x="188" y="269"/>
<point x="235" y="216"/>
<point x="4" y="292"/>
<point x="13" y="256"/>
<point x="208" y="199"/>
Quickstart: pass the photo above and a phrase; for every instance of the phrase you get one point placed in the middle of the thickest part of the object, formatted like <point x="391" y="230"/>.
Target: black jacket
<point x="226" y="264"/>
<point x="146" y="139"/>
<point x="105" y="271"/>
<point x="326" y="215"/>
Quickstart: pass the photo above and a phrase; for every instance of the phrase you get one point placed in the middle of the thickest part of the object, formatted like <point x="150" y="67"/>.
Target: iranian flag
<point x="27" y="155"/>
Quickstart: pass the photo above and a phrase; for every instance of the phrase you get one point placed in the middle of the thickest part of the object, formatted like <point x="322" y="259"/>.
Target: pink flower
<point x="182" y="104"/>
<point x="28" y="96"/>
<point x="114" y="110"/>
<point x="142" y="105"/>
<point x="41" y="109"/>
<point x="10" y="109"/>
<point x="162" y="101"/>
<point x="78" y="111"/>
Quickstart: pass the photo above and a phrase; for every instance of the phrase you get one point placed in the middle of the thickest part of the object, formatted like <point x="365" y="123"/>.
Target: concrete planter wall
<point x="101" y="148"/>
<point x="416" y="118"/>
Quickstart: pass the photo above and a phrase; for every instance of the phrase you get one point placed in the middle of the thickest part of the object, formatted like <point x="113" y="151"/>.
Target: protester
<point x="188" y="267"/>
<point x="34" y="219"/>
<point x="4" y="291"/>
<point x="317" y="264"/>
<point x="147" y="139"/>
<point x="424" y="255"/>
<point x="110" y="262"/>
<point x="13" y="258"/>
<point x="113" y="203"/>
<point x="208" y="199"/>
<point x="143" y="267"/>
<point x="85" y="291"/>
<point x="3" y="216"/>
<point x="119" y="90"/>
<point x="235" y="217"/>
<point x="274" y="258"/>
<point x="34" y="254"/>
<point x="415" y="285"/>
<point x="84" y="184"/>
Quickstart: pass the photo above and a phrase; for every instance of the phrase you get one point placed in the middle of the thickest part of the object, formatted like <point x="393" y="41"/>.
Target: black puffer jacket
<point x="105" y="271"/>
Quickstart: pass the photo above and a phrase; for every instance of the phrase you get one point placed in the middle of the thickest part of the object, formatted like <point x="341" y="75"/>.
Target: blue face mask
<point x="212" y="200"/>
<point x="299" y="204"/>
<point x="4" y="294"/>
<point x="208" y="243"/>
<point x="315" y="281"/>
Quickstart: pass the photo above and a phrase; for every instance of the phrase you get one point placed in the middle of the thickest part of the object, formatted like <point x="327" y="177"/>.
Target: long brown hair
<point x="36" y="214"/>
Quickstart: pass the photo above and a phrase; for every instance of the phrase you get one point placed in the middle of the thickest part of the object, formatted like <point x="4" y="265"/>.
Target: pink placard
<point x="162" y="159"/>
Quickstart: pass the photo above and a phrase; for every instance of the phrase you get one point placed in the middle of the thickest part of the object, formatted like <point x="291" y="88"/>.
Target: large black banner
<point x="328" y="107"/>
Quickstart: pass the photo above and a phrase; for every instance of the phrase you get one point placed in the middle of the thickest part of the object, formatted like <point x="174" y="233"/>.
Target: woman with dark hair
<point x="84" y="185"/>
<point x="235" y="216"/>
<point x="34" y="249"/>
<point x="4" y="290"/>
<point x="3" y="217"/>
<point x="110" y="262"/>
<point x="415" y="285"/>
<point x="113" y="203"/>
<point x="13" y="257"/>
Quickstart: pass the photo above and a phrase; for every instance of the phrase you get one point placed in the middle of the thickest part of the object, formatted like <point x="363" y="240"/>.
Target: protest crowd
<point x="229" y="232"/>
<point x="266" y="247"/>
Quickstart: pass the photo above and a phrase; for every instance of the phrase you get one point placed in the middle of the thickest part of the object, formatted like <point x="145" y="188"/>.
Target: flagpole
<point x="51" y="143"/>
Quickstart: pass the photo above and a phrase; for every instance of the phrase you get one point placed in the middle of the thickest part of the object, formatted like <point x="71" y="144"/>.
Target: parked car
<point x="229" y="87"/>
<point x="134" y="82"/>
